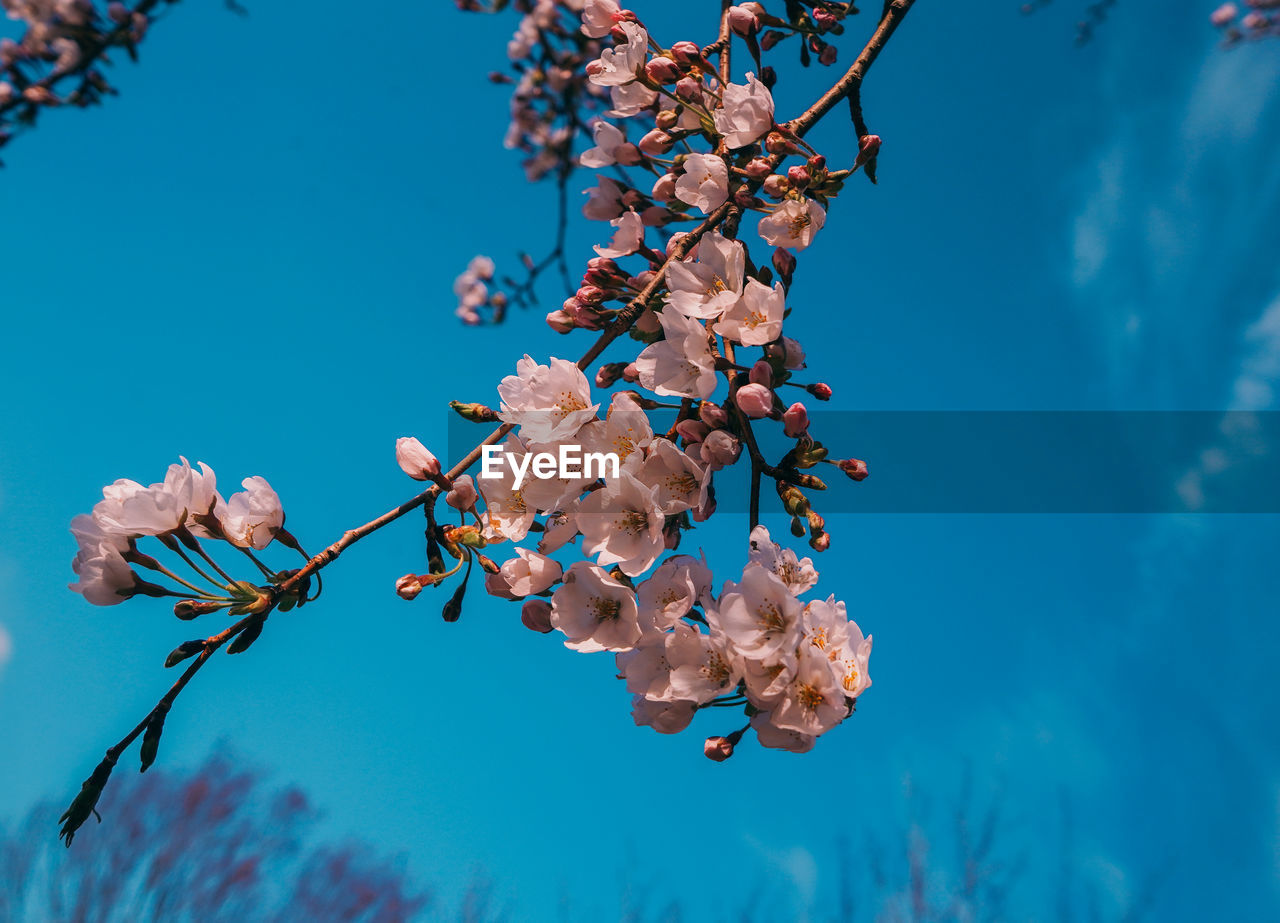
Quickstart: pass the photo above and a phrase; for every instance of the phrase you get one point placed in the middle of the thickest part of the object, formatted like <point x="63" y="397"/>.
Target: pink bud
<point x="770" y="39"/>
<point x="827" y="56"/>
<point x="1255" y="20"/>
<point x="604" y="264"/>
<point x="820" y="390"/>
<point x="590" y="294"/>
<point x="463" y="494"/>
<point x="775" y="186"/>
<point x="662" y="70"/>
<point x="536" y="615"/>
<point x="785" y="262"/>
<point x="868" y="147"/>
<point x="675" y="241"/>
<point x="664" y="190"/>
<point x="856" y="468"/>
<point x="718" y="748"/>
<point x="631" y="373"/>
<point x="656" y="142"/>
<point x="559" y="321"/>
<point x="713" y="414"/>
<point x="415" y="460"/>
<point x="817" y="163"/>
<point x="496" y="585"/>
<point x="689" y="89"/>
<point x="789" y="351"/>
<point x="409" y="586"/>
<point x="720" y="448"/>
<point x="795" y="421"/>
<point x="823" y="18"/>
<point x="761" y="373"/>
<point x="820" y="542"/>
<point x="743" y="21"/>
<point x="758" y="168"/>
<point x="688" y="54"/>
<point x="754" y="400"/>
<point x="628" y="155"/>
<point x="798" y="176"/>
<point x="692" y="430"/>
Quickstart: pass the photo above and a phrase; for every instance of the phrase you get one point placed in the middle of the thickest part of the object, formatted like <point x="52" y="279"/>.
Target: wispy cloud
<point x="6" y="648"/>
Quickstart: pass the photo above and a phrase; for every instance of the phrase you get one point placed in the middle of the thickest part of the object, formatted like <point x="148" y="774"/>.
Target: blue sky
<point x="247" y="258"/>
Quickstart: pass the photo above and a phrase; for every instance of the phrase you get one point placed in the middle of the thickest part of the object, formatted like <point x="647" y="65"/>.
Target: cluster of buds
<point x="64" y="39"/>
<point x="1259" y="19"/>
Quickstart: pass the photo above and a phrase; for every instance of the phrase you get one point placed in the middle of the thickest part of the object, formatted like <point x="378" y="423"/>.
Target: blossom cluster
<point x="796" y="667"/>
<point x="62" y="38"/>
<point x="1260" y="19"/>
<point x="178" y="512"/>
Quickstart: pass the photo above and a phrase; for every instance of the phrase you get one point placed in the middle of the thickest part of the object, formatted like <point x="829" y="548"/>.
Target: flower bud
<point x="758" y="168"/>
<point x="868" y="148"/>
<point x="627" y="154"/>
<point x="795" y="421"/>
<point x="856" y="468"/>
<point x="798" y="176"/>
<point x="631" y="373"/>
<point x="118" y="12"/>
<point x="692" y="431"/>
<point x="823" y="18"/>
<point x="656" y="142"/>
<point x="827" y="56"/>
<point x="775" y="186"/>
<point x="590" y="294"/>
<point x="778" y="143"/>
<point x="755" y="400"/>
<point x="664" y="190"/>
<point x="785" y="262"/>
<point x="820" y="541"/>
<point x="743" y="198"/>
<point x="475" y="413"/>
<point x="662" y="70"/>
<point x="788" y="352"/>
<point x="536" y="615"/>
<point x="797" y="527"/>
<point x="820" y="390"/>
<point x="720" y="448"/>
<point x="689" y="55"/>
<point x="671" y="534"/>
<point x="609" y="373"/>
<point x="463" y="495"/>
<point x="469" y="536"/>
<point x="793" y="501"/>
<point x="718" y="748"/>
<point x="1224" y="14"/>
<point x="559" y="321"/>
<point x="188" y="609"/>
<point x="770" y="39"/>
<point x="495" y="584"/>
<point x="666" y="119"/>
<point x="675" y="241"/>
<point x="713" y="414"/>
<point x="409" y="586"/>
<point x="415" y="459"/>
<point x="689" y="89"/>
<point x="761" y="373"/>
<point x="743" y="21"/>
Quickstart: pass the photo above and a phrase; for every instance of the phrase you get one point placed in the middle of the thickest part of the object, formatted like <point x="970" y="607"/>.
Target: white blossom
<point x="797" y="573"/>
<point x="627" y="238"/>
<point x="712" y="285"/>
<point x="747" y="115"/>
<point x="756" y="318"/>
<point x="608" y="138"/>
<point x="759" y="616"/>
<point x="597" y="17"/>
<point x="252" y="517"/>
<point x="618" y="65"/>
<point x="705" y="183"/>
<point x="594" y="611"/>
<point x="622" y="524"/>
<point x="549" y="402"/>
<point x="793" y="224"/>
<point x="681" y="364"/>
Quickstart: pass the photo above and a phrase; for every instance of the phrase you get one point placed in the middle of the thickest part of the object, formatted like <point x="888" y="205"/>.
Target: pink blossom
<point x="627" y="238"/>
<point x="756" y="318"/>
<point x="795" y="421"/>
<point x="597" y="17"/>
<point x="416" y="460"/>
<point x="608" y="138"/>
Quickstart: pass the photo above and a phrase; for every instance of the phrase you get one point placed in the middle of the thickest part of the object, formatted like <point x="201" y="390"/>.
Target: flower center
<point x="604" y="609"/>
<point x="633" y="522"/>
<point x="770" y="617"/>
<point x="809" y="697"/>
<point x="798" y="224"/>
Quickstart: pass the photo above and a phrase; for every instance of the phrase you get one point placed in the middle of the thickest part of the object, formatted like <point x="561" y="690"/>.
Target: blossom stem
<point x="191" y="541"/>
<point x="172" y="544"/>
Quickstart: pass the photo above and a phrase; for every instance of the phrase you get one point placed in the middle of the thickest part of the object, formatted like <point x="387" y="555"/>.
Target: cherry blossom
<point x="618" y="65"/>
<point x="549" y="402"/>
<point x="681" y="364"/>
<point x="678" y="584"/>
<point x="594" y="611"/>
<point x="676" y="476"/>
<point x="756" y="318"/>
<point x="793" y="224"/>
<point x="597" y="17"/>
<point x="797" y="573"/>
<point x="713" y="284"/>
<point x="747" y="115"/>
<point x="663" y="717"/>
<point x="760" y="616"/>
<point x="705" y="182"/>
<point x="527" y="574"/>
<point x="608" y="138"/>
<point x="627" y="239"/>
<point x="622" y="524"/>
<point x="252" y="517"/>
<point x="604" y="200"/>
<point x="105" y="579"/>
